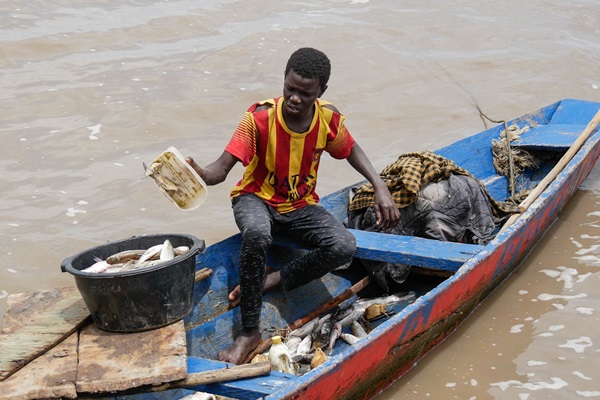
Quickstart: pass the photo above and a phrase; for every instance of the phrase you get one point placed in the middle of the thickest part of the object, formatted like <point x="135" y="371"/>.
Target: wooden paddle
<point x="562" y="163"/>
<point x="334" y="302"/>
<point x="226" y="374"/>
<point x="223" y="375"/>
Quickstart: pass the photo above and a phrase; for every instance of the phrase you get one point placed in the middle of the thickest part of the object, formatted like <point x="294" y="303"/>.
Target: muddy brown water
<point x="90" y="90"/>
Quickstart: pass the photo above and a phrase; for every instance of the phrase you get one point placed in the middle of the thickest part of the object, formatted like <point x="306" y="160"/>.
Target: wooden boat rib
<point x="396" y="343"/>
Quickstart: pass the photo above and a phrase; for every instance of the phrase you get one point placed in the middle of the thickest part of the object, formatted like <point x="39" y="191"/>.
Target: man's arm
<point x="215" y="172"/>
<point x="387" y="213"/>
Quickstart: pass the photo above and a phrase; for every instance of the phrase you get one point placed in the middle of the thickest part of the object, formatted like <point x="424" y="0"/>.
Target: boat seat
<point x="556" y="137"/>
<point x="416" y="251"/>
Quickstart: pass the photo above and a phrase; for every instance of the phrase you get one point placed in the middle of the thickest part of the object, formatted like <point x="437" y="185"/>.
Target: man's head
<point x="310" y="63"/>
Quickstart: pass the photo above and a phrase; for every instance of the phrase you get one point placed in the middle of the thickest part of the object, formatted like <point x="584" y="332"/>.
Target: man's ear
<point x="323" y="89"/>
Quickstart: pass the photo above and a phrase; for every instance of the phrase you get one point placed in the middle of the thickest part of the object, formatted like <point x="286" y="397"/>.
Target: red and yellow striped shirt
<point x="281" y="165"/>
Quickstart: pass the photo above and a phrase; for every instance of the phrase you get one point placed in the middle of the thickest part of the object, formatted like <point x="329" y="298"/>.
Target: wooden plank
<point x="119" y="361"/>
<point x="25" y="308"/>
<point x="434" y="254"/>
<point x="35" y="322"/>
<point x="50" y="376"/>
<point x="549" y="137"/>
<point x="412" y="250"/>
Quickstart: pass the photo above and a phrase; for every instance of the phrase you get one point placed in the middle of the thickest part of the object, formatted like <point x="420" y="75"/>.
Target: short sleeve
<point x="243" y="142"/>
<point x="340" y="144"/>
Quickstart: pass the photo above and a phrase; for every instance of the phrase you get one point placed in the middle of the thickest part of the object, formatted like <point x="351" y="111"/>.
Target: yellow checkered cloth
<point x="405" y="177"/>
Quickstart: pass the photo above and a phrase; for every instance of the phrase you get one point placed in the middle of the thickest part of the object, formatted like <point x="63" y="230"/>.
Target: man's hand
<point x="215" y="172"/>
<point x="196" y="167"/>
<point x="386" y="211"/>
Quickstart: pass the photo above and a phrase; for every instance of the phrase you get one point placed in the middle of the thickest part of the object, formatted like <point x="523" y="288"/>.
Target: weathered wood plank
<point x="35" y="322"/>
<point x="119" y="361"/>
<point x="50" y="376"/>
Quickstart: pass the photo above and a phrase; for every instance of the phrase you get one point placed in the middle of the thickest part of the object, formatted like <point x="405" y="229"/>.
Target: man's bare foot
<point x="272" y="280"/>
<point x="248" y="340"/>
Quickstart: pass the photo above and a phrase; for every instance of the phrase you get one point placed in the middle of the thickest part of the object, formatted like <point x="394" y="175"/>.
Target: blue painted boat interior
<point x="212" y="327"/>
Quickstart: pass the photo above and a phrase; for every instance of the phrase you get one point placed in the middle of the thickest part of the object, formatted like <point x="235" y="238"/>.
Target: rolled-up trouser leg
<point x="333" y="244"/>
<point x="254" y="220"/>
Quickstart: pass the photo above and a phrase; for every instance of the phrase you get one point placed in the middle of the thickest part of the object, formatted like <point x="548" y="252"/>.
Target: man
<point x="280" y="142"/>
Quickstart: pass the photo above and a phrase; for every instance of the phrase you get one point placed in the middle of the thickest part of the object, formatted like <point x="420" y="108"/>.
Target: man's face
<point x="299" y="94"/>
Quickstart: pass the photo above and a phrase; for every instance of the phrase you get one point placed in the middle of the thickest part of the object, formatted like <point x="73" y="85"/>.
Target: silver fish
<point x="114" y="268"/>
<point x="129" y="260"/>
<point x="342" y="313"/>
<point x="181" y="250"/>
<point x="131" y="265"/>
<point x="358" y="330"/>
<point x="322" y="321"/>
<point x="353" y="316"/>
<point x="305" y="329"/>
<point x="322" y="333"/>
<point x="326" y="328"/>
<point x="305" y="345"/>
<point x="336" y="331"/>
<point x="292" y="343"/>
<point x="349" y="338"/>
<point x="98" y="267"/>
<point x="151" y="253"/>
<point x="123" y="256"/>
<point x="167" y="252"/>
<point x="387" y="301"/>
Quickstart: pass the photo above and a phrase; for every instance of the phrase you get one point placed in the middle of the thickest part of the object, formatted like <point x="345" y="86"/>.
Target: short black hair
<point x="310" y="63"/>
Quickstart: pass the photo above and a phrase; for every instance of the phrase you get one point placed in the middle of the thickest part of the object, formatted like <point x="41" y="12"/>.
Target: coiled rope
<point x="509" y="161"/>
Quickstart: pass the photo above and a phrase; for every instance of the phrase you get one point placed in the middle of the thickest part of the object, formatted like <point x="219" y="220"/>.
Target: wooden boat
<point x="398" y="341"/>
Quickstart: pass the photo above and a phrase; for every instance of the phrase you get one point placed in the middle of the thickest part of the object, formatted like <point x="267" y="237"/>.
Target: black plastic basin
<point x="138" y="300"/>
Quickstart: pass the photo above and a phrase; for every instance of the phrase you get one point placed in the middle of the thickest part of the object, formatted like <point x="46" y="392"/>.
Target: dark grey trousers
<point x="333" y="246"/>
